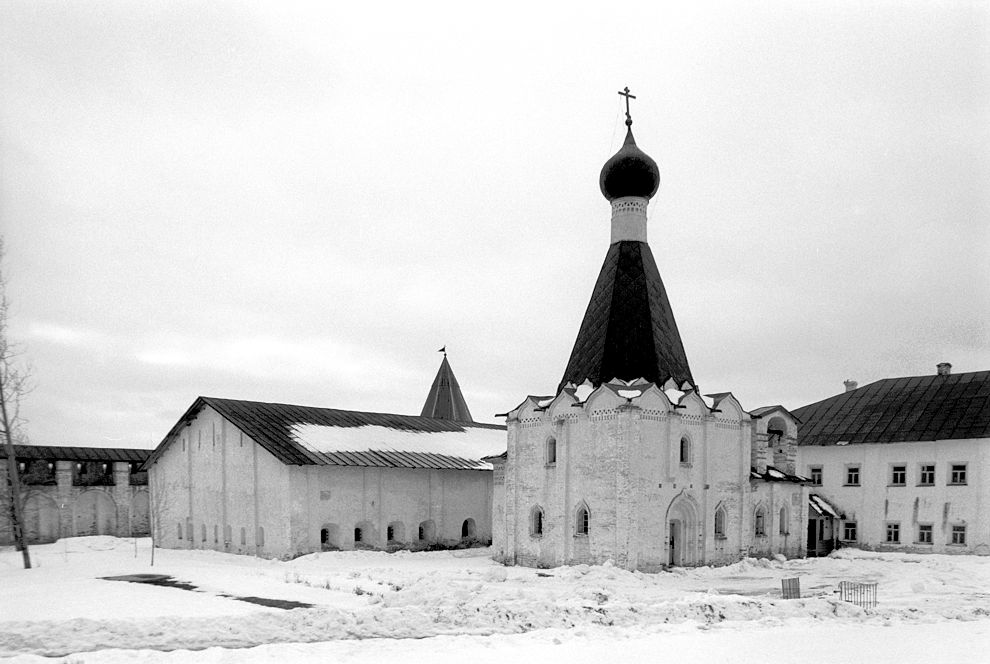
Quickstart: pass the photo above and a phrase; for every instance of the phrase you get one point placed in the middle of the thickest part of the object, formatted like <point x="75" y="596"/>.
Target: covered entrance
<point x="823" y="521"/>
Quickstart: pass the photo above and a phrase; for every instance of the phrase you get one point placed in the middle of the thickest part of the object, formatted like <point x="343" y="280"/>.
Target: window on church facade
<point x="243" y="536"/>
<point x="260" y="541"/>
<point x="849" y="531"/>
<point x="816" y="475"/>
<point x="898" y="474"/>
<point x="782" y="521"/>
<point x="536" y="522"/>
<point x="760" y="523"/>
<point x="685" y="452"/>
<point x="427" y="531"/>
<point x="551" y="451"/>
<point x="180" y="530"/>
<point x="852" y="475"/>
<point x="216" y="534"/>
<point x="583" y="521"/>
<point x="958" y="474"/>
<point x="893" y="533"/>
<point x="202" y="528"/>
<point x="720" y="523"/>
<point x="358" y="535"/>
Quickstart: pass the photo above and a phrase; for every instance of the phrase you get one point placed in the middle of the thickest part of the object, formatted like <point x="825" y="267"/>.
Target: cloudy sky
<point x="303" y="203"/>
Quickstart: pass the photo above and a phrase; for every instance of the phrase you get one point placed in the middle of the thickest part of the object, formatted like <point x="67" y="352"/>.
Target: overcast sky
<point x="303" y="204"/>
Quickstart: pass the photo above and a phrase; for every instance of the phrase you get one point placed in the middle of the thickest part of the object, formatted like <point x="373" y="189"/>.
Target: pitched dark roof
<point x="445" y="400"/>
<point x="628" y="330"/>
<point x="55" y="453"/>
<point x="274" y="427"/>
<point x="901" y="410"/>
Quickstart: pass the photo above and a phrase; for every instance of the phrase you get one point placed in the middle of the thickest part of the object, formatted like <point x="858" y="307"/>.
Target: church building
<point x="629" y="461"/>
<point x="279" y="480"/>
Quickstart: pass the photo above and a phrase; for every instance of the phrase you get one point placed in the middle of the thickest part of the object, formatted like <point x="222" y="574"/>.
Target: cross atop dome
<point x="625" y="93"/>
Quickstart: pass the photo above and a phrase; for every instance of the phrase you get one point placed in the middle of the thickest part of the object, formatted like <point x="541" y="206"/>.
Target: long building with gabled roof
<point x="280" y="480"/>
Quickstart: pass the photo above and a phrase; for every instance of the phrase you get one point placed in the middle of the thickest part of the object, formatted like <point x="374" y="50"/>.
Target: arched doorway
<point x="95" y="514"/>
<point x="40" y="519"/>
<point x="683" y="527"/>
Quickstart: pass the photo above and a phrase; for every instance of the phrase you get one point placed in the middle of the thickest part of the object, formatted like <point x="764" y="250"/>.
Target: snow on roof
<point x="630" y="394"/>
<point x="470" y="444"/>
<point x="822" y="507"/>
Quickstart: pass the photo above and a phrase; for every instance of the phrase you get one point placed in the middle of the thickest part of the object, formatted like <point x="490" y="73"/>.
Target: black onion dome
<point x="630" y="172"/>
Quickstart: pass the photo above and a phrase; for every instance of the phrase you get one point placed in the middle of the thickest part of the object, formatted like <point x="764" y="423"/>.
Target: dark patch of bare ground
<point x="171" y="582"/>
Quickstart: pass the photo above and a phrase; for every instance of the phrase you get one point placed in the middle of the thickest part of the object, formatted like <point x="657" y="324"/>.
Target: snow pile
<point x="361" y="595"/>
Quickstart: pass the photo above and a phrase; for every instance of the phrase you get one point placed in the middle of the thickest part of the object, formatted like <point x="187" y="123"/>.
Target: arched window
<point x="427" y="531"/>
<point x="357" y="535"/>
<point x="396" y="532"/>
<point x="202" y="527"/>
<point x="467" y="529"/>
<point x="243" y="536"/>
<point x="720" y="523"/>
<point x="782" y="521"/>
<point x="551" y="450"/>
<point x="329" y="537"/>
<point x="180" y="530"/>
<point x="216" y="534"/>
<point x="536" y="522"/>
<point x="685" y="450"/>
<point x="759" y="523"/>
<point x="583" y="521"/>
<point x="228" y="535"/>
<point x="261" y="536"/>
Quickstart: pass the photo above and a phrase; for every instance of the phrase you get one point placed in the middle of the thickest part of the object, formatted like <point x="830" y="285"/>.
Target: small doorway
<point x="675" y="543"/>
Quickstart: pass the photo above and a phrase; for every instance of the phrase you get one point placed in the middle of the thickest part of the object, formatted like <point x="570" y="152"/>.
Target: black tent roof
<point x="628" y="330"/>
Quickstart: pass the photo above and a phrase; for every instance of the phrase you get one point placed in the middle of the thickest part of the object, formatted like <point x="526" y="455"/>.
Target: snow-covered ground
<point x="453" y="606"/>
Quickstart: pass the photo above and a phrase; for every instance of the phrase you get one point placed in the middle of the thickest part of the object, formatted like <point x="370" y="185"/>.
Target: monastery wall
<point x="880" y="500"/>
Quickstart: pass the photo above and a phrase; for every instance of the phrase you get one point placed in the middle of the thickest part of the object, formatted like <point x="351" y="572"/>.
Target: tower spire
<point x="445" y="400"/>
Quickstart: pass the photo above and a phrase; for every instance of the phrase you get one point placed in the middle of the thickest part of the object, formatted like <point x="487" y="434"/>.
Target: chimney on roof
<point x="850" y="385"/>
<point x="944" y="368"/>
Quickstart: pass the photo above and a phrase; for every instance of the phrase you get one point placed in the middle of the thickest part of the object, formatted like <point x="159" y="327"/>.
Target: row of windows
<point x="583" y="519"/>
<point x="39" y="472"/>
<point x="227" y="534"/>
<point x="893" y="533"/>
<point x="898" y="474"/>
<point x="550" y="456"/>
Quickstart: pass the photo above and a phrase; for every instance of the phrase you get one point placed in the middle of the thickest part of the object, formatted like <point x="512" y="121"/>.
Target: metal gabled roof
<point x="905" y="409"/>
<point x="71" y="453"/>
<point x="272" y="426"/>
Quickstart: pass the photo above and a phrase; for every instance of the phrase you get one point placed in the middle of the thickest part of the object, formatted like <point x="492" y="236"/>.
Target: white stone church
<point x="628" y="461"/>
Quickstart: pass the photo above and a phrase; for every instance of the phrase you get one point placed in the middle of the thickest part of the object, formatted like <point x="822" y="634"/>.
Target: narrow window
<point x="202" y="528"/>
<point x="760" y="526"/>
<point x="898" y="475"/>
<point x="243" y="536"/>
<point x="852" y="475"/>
<point x="551" y="450"/>
<point x="959" y="535"/>
<point x="816" y="475"/>
<point x="958" y="474"/>
<point x="782" y="521"/>
<point x="927" y="475"/>
<point x="924" y="534"/>
<point x="536" y="523"/>
<point x="720" y="523"/>
<point x="180" y="530"/>
<point x="22" y="467"/>
<point x="261" y="536"/>
<point x="583" y="521"/>
<point x="894" y="533"/>
<point x="357" y="535"/>
<point x="685" y="450"/>
<point x="849" y="531"/>
<point x="422" y="532"/>
<point x="228" y="535"/>
<point x="389" y="534"/>
<point x="324" y="538"/>
<point x="216" y="534"/>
